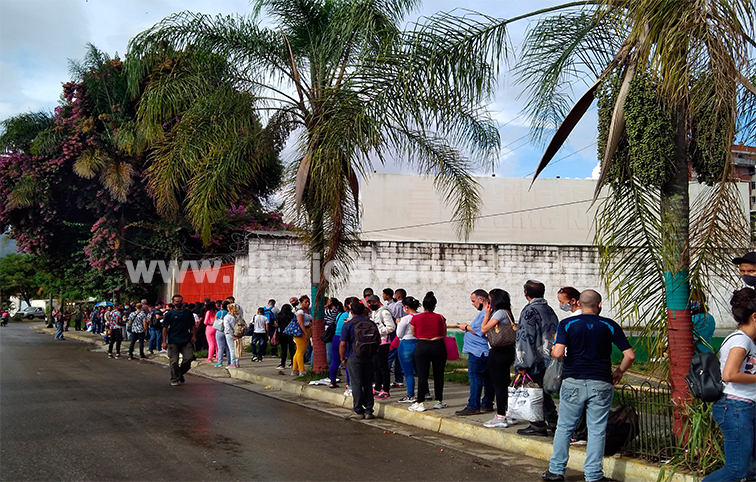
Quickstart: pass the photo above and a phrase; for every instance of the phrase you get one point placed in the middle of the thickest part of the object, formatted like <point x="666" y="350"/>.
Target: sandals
<point x="333" y="385"/>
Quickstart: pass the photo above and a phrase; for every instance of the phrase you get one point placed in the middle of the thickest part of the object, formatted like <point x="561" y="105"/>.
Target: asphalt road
<point x="69" y="413"/>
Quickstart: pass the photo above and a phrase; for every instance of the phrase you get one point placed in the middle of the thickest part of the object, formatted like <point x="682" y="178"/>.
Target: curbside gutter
<point x="615" y="467"/>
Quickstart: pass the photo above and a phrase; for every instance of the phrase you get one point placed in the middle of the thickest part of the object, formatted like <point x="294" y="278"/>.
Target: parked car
<point x="31" y="312"/>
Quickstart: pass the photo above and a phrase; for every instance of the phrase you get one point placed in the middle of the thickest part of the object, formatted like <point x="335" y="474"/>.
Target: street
<point x="69" y="413"/>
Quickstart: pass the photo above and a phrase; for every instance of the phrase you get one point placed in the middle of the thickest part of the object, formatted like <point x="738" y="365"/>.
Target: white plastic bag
<point x="525" y="400"/>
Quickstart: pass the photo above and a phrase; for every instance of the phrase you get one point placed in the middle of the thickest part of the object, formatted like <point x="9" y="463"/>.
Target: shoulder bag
<point x="503" y="334"/>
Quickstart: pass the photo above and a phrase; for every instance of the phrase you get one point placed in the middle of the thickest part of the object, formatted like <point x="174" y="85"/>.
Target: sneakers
<point x="235" y="365"/>
<point x="348" y="392"/>
<point x="259" y="358"/>
<point x="110" y="355"/>
<point x="118" y="355"/>
<point x="382" y="395"/>
<point x="280" y="367"/>
<point x="130" y="357"/>
<point x="549" y="476"/>
<point x="467" y="411"/>
<point x="295" y="373"/>
<point x="254" y="358"/>
<point x="218" y="365"/>
<point x="397" y="384"/>
<point x="407" y="399"/>
<point x="512" y="421"/>
<point x="369" y="416"/>
<point x="417" y="407"/>
<point x="496" y="422"/>
<point x="301" y="374"/>
<point x="439" y="404"/>
<point x="174" y="384"/>
<point x="162" y="351"/>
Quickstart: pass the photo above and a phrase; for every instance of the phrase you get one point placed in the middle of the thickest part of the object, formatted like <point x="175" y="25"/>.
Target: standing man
<point x="178" y="338"/>
<point x="535" y="336"/>
<point x="747" y="267"/>
<point x="230" y="300"/>
<point x="588" y="383"/>
<point x="357" y="353"/>
<point x="271" y="311"/>
<point x="139" y="326"/>
<point x="476" y="347"/>
<point x="156" y="327"/>
<point x="117" y="326"/>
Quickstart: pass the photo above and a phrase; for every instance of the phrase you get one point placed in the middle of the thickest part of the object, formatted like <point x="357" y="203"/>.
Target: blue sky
<point x="38" y="37"/>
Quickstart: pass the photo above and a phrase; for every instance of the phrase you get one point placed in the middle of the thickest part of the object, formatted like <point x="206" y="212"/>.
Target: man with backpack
<point x="271" y="311"/>
<point x="359" y="344"/>
<point x="587" y="383"/>
<point x="156" y="327"/>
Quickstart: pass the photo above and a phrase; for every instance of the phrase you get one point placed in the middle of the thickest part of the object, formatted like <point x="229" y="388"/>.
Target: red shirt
<point x="429" y="325"/>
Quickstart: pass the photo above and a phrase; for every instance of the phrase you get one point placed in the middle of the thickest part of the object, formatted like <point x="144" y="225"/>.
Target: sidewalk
<point x="442" y="421"/>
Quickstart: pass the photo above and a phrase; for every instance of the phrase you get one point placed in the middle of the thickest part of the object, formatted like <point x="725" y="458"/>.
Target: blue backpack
<point x="270" y="315"/>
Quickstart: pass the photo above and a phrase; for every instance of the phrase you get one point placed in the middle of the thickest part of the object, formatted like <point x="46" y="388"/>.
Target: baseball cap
<point x="746" y="258"/>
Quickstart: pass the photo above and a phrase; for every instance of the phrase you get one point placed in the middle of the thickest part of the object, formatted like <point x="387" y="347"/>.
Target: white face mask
<point x="567" y="307"/>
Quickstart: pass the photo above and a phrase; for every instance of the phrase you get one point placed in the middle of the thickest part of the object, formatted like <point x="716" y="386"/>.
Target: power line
<point x="518" y="211"/>
<point x="565" y="157"/>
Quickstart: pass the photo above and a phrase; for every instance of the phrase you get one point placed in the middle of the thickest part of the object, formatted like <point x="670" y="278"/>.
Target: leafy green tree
<point x="20" y="275"/>
<point x="354" y="89"/>
<point x="676" y="90"/>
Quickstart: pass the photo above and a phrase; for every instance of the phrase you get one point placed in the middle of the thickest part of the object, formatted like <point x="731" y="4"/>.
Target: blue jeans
<point x="220" y="339"/>
<point x="59" y="330"/>
<point x="155" y="338"/>
<point x="737" y="419"/>
<point x="259" y="344"/>
<point x="406" y="355"/>
<point x="477" y="373"/>
<point x="595" y="397"/>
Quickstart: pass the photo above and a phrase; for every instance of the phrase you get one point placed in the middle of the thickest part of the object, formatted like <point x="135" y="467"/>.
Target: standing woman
<point x="568" y="300"/>
<point x="430" y="330"/>
<point x="341" y="318"/>
<point x="304" y="318"/>
<point x="285" y="342"/>
<point x="212" y="346"/>
<point x="735" y="412"/>
<point x="500" y="359"/>
<point x="407" y="346"/>
<point x="220" y="336"/>
<point x="229" y="320"/>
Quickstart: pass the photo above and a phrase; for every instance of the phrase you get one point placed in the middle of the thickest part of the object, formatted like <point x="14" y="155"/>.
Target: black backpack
<point x="367" y="339"/>
<point x="155" y="324"/>
<point x="704" y="378"/>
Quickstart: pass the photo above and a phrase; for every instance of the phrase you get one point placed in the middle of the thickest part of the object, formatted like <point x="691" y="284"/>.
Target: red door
<point x="204" y="283"/>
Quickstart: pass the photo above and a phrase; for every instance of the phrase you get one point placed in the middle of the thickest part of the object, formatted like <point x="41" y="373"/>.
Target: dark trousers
<point x="77" y="324"/>
<point x="134" y="338"/>
<point x="549" y="408"/>
<point x="382" y="373"/>
<point x="286" y="343"/>
<point x="273" y="348"/>
<point x="259" y="344"/>
<point x="115" y="338"/>
<point x="500" y="362"/>
<point x="187" y="353"/>
<point x="361" y="377"/>
<point x="427" y="354"/>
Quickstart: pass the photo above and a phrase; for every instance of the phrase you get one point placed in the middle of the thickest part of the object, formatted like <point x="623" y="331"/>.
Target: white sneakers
<point x="420" y="407"/>
<point x="497" y="422"/>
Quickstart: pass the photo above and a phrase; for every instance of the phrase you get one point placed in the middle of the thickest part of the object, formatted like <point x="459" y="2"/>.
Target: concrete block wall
<point x="277" y="268"/>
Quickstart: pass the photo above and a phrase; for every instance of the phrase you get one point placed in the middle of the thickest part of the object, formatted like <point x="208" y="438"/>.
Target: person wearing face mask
<point x="568" y="300"/>
<point x="747" y="267"/>
<point x="384" y="320"/>
<point x="476" y="347"/>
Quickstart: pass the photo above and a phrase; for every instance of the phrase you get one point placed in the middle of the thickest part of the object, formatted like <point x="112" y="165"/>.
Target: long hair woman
<point x="568" y="300"/>
<point x="430" y="329"/>
<point x="340" y="319"/>
<point x="228" y="330"/>
<point x="304" y="318"/>
<point x="735" y="412"/>
<point x="212" y="346"/>
<point x="407" y="346"/>
<point x="220" y="335"/>
<point x="500" y="359"/>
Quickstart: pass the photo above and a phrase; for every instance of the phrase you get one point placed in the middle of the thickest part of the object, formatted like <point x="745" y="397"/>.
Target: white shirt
<point x="740" y="340"/>
<point x="403" y="330"/>
<point x="259" y="321"/>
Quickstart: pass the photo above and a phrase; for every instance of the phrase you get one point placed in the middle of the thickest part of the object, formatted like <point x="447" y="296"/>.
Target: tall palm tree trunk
<point x="675" y="213"/>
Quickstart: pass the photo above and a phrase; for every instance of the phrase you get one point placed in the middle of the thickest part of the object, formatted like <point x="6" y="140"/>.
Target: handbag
<point x="395" y="343"/>
<point x="218" y="324"/>
<point x="503" y="334"/>
<point x="452" y="350"/>
<point x="330" y="331"/>
<point x="552" y="378"/>
<point x="293" y="329"/>
<point x="525" y="401"/>
<point x="274" y="339"/>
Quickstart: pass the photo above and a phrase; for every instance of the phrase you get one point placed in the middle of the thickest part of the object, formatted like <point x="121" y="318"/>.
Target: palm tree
<point x="354" y="90"/>
<point x="687" y="63"/>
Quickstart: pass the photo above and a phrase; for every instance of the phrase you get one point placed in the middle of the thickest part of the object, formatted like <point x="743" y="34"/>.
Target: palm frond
<point x="90" y="163"/>
<point x="117" y="178"/>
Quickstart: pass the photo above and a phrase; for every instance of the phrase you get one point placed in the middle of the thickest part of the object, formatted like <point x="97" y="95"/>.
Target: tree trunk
<point x="319" y="355"/>
<point x="675" y="218"/>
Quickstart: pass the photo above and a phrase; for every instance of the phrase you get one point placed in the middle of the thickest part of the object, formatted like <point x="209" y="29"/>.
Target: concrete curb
<point x="619" y="468"/>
